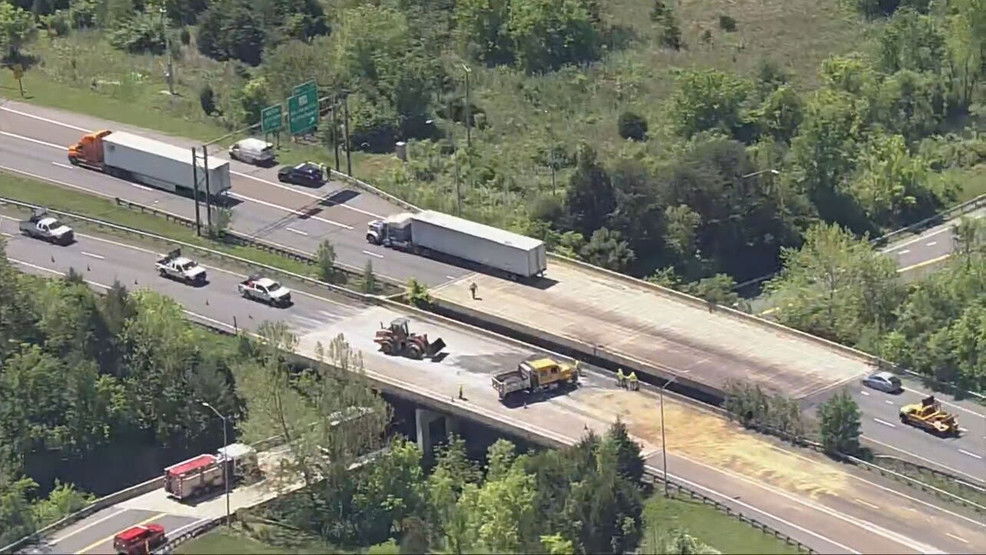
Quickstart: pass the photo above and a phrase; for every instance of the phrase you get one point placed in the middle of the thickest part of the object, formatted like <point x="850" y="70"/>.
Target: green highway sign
<point x="303" y="110"/>
<point x="305" y="88"/>
<point x="271" y="119"/>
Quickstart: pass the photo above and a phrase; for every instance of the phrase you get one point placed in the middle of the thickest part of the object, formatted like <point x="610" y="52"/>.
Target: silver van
<point x="253" y="151"/>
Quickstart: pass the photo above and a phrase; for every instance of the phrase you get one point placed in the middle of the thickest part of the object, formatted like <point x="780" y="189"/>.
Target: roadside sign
<point x="303" y="110"/>
<point x="18" y="71"/>
<point x="271" y="119"/>
<point x="305" y="88"/>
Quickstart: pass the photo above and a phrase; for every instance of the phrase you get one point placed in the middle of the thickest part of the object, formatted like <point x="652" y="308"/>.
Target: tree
<point x="781" y="113"/>
<point x="839" y="418"/>
<point x="681" y="224"/>
<point x="709" y="100"/>
<point x="452" y="474"/>
<point x="392" y="491"/>
<point x="17" y="28"/>
<point x="629" y="462"/>
<point x="969" y="235"/>
<point x="547" y="34"/>
<point x="608" y="249"/>
<point x="16" y="517"/>
<point x="417" y="293"/>
<point x="63" y="500"/>
<point x="325" y="261"/>
<point x="555" y="544"/>
<point x="590" y="196"/>
<point x="632" y="126"/>
<point x="835" y="286"/>
<point x="911" y="104"/>
<point x="500" y="512"/>
<point x="912" y="41"/>
<point x="483" y="26"/>
<point x="207" y="99"/>
<point x="680" y="542"/>
<point x="717" y="289"/>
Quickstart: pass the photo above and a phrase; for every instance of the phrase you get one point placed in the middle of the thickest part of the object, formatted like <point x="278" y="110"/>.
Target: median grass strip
<point x="704" y="522"/>
<point x="58" y="198"/>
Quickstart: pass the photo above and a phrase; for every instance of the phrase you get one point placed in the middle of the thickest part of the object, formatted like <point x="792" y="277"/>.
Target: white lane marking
<point x="889" y="402"/>
<point x="964" y="452"/>
<point x="450" y="277"/>
<point x="87" y="526"/>
<point x="36" y="141"/>
<point x="210" y="320"/>
<point x="99" y="257"/>
<point x="373" y="254"/>
<point x="885" y="423"/>
<point x="932" y="243"/>
<point x="745" y="505"/>
<point x="947" y="228"/>
<point x="963" y="540"/>
<point x="27" y="115"/>
<point x="866" y="393"/>
<point x="925" y="459"/>
<point x="867" y="503"/>
<point x="905" y="251"/>
<point x="304" y="193"/>
<point x="61" y="165"/>
<point x="286" y="209"/>
<point x="298" y="231"/>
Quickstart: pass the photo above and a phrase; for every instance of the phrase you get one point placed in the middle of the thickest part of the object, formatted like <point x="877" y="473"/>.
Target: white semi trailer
<point x="488" y="246"/>
<point x="148" y="161"/>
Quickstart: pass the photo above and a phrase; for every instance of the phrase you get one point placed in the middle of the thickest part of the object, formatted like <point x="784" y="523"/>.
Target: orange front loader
<point x="88" y="151"/>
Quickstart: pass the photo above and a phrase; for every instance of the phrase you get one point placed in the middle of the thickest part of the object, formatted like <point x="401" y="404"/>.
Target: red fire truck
<point x="139" y="540"/>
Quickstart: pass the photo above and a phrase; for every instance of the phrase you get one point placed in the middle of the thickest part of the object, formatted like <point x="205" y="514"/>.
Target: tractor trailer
<point x="431" y="231"/>
<point x="147" y="161"/>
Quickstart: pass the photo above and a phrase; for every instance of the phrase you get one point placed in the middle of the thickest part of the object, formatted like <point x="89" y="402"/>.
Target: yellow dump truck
<point x="533" y="375"/>
<point x="928" y="415"/>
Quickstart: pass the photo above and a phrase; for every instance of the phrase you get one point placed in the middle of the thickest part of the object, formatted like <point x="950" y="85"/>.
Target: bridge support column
<point x="423" y="419"/>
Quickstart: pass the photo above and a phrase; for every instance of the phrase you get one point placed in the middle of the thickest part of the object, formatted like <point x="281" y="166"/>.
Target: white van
<point x="253" y="151"/>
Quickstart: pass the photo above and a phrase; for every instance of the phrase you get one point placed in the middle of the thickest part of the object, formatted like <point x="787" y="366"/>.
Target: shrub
<point x="727" y="23"/>
<point x="142" y="33"/>
<point x="632" y="126"/>
<point x="207" y="98"/>
<point x="185" y="36"/>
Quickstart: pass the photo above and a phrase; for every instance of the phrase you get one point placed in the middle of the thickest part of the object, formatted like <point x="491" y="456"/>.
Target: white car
<point x="884" y="381"/>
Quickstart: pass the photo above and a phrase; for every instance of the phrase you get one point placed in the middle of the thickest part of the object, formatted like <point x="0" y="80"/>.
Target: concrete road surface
<point x="34" y="142"/>
<point x="825" y="505"/>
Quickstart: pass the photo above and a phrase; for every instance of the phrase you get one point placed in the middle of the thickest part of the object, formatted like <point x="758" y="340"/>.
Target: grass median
<point x="38" y="192"/>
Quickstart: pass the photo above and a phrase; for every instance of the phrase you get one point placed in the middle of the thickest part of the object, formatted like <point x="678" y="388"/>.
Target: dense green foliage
<point x="839" y="417"/>
<point x="838" y="287"/>
<point x="583" y="499"/>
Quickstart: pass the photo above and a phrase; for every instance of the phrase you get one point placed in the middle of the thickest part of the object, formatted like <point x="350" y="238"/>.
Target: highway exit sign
<point x="303" y="108"/>
<point x="271" y="119"/>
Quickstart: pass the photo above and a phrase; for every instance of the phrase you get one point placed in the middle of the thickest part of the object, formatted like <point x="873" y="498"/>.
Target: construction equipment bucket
<point x="435" y="347"/>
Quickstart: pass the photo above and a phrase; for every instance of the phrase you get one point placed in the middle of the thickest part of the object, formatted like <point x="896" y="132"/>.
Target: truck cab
<point x="253" y="151"/>
<point x="394" y="231"/>
<point x="533" y="375"/>
<point x="176" y="266"/>
<point x="42" y="226"/>
<point x="265" y="290"/>
<point x="139" y="540"/>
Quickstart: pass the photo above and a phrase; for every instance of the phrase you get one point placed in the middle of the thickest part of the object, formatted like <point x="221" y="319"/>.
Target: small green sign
<point x="303" y="111"/>
<point x="271" y="119"/>
<point x="305" y="88"/>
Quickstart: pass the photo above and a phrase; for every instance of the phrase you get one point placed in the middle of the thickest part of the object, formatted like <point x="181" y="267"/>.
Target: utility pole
<point x="335" y="133"/>
<point x="664" y="443"/>
<point x="208" y="191"/>
<point x="170" y="75"/>
<point x="345" y="127"/>
<point x="458" y="193"/>
<point x="226" y="476"/>
<point x="468" y="110"/>
<point x="195" y="188"/>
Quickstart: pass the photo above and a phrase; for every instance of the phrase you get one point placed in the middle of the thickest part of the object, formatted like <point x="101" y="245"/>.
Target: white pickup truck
<point x="176" y="266"/>
<point x="47" y="228"/>
<point x="264" y="290"/>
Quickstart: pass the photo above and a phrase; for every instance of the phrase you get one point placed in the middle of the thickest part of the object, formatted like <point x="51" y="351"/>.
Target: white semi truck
<point x="431" y="231"/>
<point x="148" y="161"/>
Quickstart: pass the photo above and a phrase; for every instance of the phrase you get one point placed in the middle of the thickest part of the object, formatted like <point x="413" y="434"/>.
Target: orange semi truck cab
<point x="139" y="540"/>
<point x="88" y="151"/>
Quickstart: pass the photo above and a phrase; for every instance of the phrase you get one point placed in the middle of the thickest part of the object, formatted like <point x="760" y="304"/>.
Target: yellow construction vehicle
<point x="929" y="416"/>
<point x="533" y="375"/>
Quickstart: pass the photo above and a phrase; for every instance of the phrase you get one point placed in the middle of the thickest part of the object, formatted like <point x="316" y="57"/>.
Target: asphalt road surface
<point x="827" y="506"/>
<point x="34" y="142"/>
<point x="932" y="245"/>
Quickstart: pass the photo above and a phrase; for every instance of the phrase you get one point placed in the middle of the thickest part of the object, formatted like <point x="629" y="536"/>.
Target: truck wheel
<point x="371" y="239"/>
<point x="903" y="419"/>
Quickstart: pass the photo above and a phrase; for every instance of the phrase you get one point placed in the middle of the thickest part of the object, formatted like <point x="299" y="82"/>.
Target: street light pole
<point x="664" y="444"/>
<point x="225" y="458"/>
<point x="468" y="110"/>
<point x="167" y="52"/>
